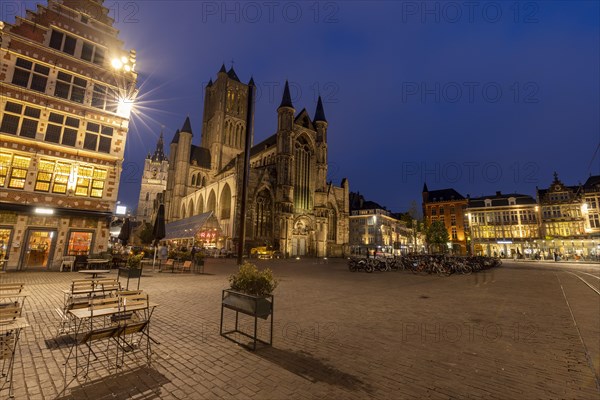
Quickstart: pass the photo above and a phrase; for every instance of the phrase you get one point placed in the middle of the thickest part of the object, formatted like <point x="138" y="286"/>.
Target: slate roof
<point x="500" y="200"/>
<point x="201" y="155"/>
<point x="444" y="195"/>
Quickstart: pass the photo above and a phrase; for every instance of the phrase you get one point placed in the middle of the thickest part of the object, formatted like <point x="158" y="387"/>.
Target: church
<point x="290" y="205"/>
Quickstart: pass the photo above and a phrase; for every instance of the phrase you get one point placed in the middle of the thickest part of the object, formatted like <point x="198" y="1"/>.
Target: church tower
<point x="224" y="121"/>
<point x="154" y="182"/>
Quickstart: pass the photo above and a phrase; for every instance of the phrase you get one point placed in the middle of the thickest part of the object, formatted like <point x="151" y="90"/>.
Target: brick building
<point x="67" y="89"/>
<point x="447" y="206"/>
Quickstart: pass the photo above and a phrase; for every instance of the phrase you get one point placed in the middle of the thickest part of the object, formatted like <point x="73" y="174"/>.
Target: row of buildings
<point x="561" y="219"/>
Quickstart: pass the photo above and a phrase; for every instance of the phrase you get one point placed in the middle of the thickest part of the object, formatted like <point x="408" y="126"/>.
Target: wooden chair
<point x="135" y="319"/>
<point x="169" y="263"/>
<point x="11" y="288"/>
<point x="186" y="266"/>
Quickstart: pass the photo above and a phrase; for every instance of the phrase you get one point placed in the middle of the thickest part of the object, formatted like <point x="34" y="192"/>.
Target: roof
<point x="175" y="137"/>
<point x="303" y="119"/>
<point x="499" y="200"/>
<point x="592" y="183"/>
<point x="189" y="227"/>
<point x="201" y="155"/>
<point x="286" y="100"/>
<point x="444" y="195"/>
<point x="187" y="126"/>
<point x="320" y="112"/>
<point x="232" y="75"/>
<point x="265" y="144"/>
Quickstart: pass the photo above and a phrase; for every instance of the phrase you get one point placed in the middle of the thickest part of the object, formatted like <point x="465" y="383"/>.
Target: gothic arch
<point x="203" y="184"/>
<point x="225" y="203"/>
<point x="303" y="173"/>
<point x="332" y="221"/>
<point x="183" y="208"/>
<point x="200" y="205"/>
<point x="191" y="207"/>
<point x="193" y="180"/>
<point x="211" y="205"/>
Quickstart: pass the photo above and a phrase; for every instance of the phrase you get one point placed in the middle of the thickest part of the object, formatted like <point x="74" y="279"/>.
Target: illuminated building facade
<point x="290" y="207"/>
<point x="67" y="88"/>
<point x="373" y="229"/>
<point x="503" y="225"/>
<point x="154" y="183"/>
<point x="570" y="218"/>
<point x="447" y="206"/>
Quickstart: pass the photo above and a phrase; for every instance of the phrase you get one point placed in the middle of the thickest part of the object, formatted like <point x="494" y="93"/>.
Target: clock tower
<point x="154" y="182"/>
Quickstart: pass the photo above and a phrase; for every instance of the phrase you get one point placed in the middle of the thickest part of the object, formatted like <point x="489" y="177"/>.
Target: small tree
<point x="437" y="235"/>
<point x="146" y="236"/>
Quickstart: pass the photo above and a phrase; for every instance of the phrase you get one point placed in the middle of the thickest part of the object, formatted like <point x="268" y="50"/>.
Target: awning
<point x="187" y="228"/>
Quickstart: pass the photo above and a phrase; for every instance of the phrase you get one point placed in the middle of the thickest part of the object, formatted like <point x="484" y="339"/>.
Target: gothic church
<point x="290" y="206"/>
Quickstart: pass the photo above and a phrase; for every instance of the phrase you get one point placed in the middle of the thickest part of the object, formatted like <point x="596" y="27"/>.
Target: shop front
<point x="39" y="248"/>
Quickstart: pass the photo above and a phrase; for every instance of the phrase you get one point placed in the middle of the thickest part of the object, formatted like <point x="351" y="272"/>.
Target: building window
<point x="62" y="129"/>
<point x="98" y="137"/>
<point x="441" y="210"/>
<point x="453" y="220"/>
<point x="263" y="215"/>
<point x="5" y="161"/>
<point x="147" y="196"/>
<point x="433" y="211"/>
<point x="20" y="119"/>
<point x="332" y="225"/>
<point x="104" y="98"/>
<point x="30" y="75"/>
<point x="594" y="221"/>
<point x="61" y="178"/>
<point x="454" y="234"/>
<point x="302" y="195"/>
<point x="70" y="87"/>
<point x="20" y="165"/>
<point x="90" y="182"/>
<point x="79" y="243"/>
<point x="63" y="42"/>
<point x="44" y="176"/>
<point x="91" y="53"/>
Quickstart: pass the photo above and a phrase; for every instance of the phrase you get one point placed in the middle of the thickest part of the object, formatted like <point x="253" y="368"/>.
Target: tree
<point x="146" y="236"/>
<point x="437" y="235"/>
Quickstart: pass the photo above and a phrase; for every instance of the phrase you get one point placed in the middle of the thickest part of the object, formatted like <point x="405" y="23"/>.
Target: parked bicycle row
<point x="426" y="264"/>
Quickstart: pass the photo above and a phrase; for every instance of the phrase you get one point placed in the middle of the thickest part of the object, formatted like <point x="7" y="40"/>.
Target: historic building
<point x="375" y="230"/>
<point x="447" y="206"/>
<point x="503" y="225"/>
<point x="291" y="206"/>
<point x="67" y="88"/>
<point x="154" y="183"/>
<point x="569" y="216"/>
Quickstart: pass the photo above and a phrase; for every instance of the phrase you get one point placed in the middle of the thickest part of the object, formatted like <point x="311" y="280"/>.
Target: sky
<point x="478" y="96"/>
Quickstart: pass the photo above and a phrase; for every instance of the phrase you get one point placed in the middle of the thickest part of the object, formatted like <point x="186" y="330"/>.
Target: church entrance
<point x="298" y="246"/>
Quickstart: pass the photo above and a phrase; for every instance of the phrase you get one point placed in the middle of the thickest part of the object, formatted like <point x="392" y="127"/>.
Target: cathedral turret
<point x="286" y="110"/>
<point x="159" y="153"/>
<point x="320" y="122"/>
<point x="181" y="167"/>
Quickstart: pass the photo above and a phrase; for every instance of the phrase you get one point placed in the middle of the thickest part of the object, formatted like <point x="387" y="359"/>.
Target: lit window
<point x="98" y="182"/>
<point x="62" y="129"/>
<point x="19" y="119"/>
<point x="19" y="172"/>
<point x="5" y="161"/>
<point x="44" y="175"/>
<point x="30" y="75"/>
<point x="84" y="178"/>
<point x="61" y="178"/>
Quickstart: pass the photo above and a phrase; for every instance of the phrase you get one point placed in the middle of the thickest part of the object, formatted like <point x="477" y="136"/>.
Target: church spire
<point x="320" y="113"/>
<point x="286" y="101"/>
<point x="159" y="153"/>
<point x="187" y="126"/>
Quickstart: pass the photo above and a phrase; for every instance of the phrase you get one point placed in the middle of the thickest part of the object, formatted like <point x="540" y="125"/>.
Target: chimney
<point x="498" y="193"/>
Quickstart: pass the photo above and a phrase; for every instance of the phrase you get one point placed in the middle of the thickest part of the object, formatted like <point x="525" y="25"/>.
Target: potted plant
<point x="251" y="291"/>
<point x="133" y="268"/>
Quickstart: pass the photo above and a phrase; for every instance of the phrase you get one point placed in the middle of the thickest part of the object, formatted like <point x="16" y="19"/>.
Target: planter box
<point x="253" y="306"/>
<point x="134" y="273"/>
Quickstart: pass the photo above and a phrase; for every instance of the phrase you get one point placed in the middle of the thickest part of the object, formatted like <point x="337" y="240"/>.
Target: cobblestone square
<point x="521" y="331"/>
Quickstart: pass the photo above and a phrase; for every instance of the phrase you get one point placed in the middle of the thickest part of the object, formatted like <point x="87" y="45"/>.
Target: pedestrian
<point x="555" y="256"/>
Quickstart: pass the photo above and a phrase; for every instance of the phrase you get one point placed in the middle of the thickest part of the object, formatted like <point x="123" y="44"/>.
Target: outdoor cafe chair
<point x="68" y="262"/>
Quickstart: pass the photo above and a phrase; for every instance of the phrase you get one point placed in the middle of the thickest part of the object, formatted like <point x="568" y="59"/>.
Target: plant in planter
<point x="133" y="268"/>
<point x="251" y="293"/>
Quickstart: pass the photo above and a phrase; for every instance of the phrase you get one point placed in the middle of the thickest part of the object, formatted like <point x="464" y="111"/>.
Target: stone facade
<point x="67" y="87"/>
<point x="154" y="183"/>
<point x="291" y="206"/>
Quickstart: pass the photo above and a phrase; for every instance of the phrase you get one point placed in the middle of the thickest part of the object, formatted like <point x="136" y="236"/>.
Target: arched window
<point x="302" y="177"/>
<point x="191" y="208"/>
<point x="200" y="205"/>
<point x="263" y="221"/>
<point x="203" y="182"/>
<point x="225" y="203"/>
<point x="147" y="196"/>
<point x="183" y="208"/>
<point x="331" y="224"/>
<point x="193" y="180"/>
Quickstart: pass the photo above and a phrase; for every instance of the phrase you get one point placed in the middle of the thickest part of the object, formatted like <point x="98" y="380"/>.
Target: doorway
<point x="298" y="246"/>
<point x="39" y="245"/>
